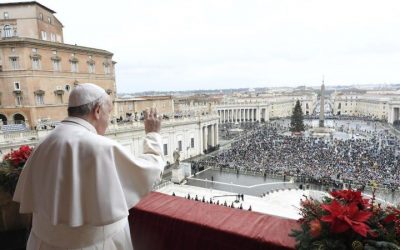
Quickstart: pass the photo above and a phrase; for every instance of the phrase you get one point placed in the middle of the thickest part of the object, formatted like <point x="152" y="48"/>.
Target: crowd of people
<point x="268" y="150"/>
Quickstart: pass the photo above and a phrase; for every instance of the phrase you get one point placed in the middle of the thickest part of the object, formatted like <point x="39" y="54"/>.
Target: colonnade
<point x="233" y="115"/>
<point x="209" y="136"/>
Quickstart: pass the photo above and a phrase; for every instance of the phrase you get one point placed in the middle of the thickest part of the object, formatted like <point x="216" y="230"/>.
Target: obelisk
<point x="322" y="106"/>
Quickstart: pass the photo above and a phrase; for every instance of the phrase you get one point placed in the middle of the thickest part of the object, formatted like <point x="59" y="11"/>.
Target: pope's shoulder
<point x="75" y="135"/>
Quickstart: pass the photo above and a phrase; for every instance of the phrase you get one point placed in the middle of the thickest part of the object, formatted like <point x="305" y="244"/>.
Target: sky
<point x="169" y="45"/>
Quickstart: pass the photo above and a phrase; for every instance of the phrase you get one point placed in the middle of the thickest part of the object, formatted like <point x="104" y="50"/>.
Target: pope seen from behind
<point x="79" y="185"/>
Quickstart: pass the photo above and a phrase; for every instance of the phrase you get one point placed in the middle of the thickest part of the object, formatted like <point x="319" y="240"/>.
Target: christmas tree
<point x="297" y="120"/>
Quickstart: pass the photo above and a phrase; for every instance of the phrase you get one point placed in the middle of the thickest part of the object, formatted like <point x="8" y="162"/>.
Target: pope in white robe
<point x="79" y="185"/>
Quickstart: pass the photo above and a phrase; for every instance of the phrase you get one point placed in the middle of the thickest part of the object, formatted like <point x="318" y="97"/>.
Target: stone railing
<point x="139" y="125"/>
<point x="13" y="137"/>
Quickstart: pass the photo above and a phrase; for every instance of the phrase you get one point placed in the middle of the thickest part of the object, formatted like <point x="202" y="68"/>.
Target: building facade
<point x="38" y="70"/>
<point x="132" y="108"/>
<point x="263" y="107"/>
<point x="369" y="104"/>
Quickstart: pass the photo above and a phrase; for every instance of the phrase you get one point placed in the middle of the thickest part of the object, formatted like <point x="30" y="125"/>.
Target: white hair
<point x="85" y="109"/>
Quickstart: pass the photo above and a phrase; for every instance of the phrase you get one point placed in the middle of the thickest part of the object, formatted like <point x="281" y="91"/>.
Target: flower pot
<point x="10" y="218"/>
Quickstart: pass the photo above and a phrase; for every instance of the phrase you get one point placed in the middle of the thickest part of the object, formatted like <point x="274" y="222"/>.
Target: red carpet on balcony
<point x="161" y="221"/>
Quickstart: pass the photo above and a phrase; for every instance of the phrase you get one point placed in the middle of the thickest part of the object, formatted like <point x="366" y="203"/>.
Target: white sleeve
<point x="139" y="173"/>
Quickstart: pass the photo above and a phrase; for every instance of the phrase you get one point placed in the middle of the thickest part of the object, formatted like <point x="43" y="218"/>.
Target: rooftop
<point x="26" y="3"/>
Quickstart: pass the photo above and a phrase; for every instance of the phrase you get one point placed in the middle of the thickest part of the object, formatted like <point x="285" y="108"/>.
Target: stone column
<point x="236" y="115"/>
<point x="205" y="137"/>
<point x="216" y="134"/>
<point x="201" y="140"/>
<point x="266" y="115"/>
<point x="212" y="135"/>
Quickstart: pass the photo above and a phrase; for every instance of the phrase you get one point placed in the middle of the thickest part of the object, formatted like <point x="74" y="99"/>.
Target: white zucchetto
<point x="85" y="93"/>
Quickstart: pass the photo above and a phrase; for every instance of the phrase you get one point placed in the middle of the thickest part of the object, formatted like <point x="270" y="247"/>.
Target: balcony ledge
<point x="161" y="221"/>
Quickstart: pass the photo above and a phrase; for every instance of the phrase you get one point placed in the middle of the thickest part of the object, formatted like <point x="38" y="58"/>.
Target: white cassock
<point x="80" y="185"/>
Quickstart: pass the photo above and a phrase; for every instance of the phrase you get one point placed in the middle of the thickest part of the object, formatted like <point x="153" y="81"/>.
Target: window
<point x="14" y="62"/>
<point x="340" y="105"/>
<point x="56" y="65"/>
<point x="91" y="68"/>
<point x="35" y="63"/>
<point x="17" y="86"/>
<point x="6" y="15"/>
<point x="67" y="87"/>
<point x="39" y="99"/>
<point x="59" y="98"/>
<point x="44" y="35"/>
<point x="53" y="37"/>
<point x="192" y="142"/>
<point x="49" y="19"/>
<point x="41" y="16"/>
<point x="7" y="31"/>
<point x="18" y="100"/>
<point x="180" y="145"/>
<point x="165" y="149"/>
<point x="107" y="69"/>
<point x="74" y="66"/>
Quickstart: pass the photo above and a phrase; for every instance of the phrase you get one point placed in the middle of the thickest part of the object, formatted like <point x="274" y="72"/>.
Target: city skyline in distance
<point x="185" y="45"/>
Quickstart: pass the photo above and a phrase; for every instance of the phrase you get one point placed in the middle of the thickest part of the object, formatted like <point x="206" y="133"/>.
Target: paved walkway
<point x="283" y="203"/>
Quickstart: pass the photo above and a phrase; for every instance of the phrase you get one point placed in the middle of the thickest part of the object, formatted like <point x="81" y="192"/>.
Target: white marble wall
<point x="131" y="136"/>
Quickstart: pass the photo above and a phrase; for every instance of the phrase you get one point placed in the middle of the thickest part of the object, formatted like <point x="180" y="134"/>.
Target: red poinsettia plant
<point x="11" y="167"/>
<point x="346" y="220"/>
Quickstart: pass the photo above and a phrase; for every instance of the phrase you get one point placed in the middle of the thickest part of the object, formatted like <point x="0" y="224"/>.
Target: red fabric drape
<point x="161" y="221"/>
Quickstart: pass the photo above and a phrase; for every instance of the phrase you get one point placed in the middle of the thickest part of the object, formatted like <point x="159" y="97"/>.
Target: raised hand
<point x="152" y="123"/>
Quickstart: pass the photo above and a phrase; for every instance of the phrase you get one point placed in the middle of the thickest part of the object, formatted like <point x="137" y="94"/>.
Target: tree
<point x="297" y="119"/>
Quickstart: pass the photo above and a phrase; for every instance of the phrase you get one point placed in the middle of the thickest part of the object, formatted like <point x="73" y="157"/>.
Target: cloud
<point x="189" y="44"/>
